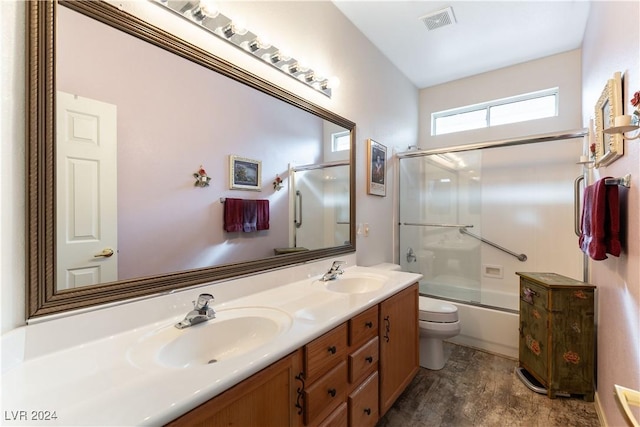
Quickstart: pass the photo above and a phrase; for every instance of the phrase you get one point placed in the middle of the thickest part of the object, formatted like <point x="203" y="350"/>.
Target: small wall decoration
<point x="377" y="168"/>
<point x="609" y="147"/>
<point x="277" y="183"/>
<point x="202" y="179"/>
<point x="245" y="174"/>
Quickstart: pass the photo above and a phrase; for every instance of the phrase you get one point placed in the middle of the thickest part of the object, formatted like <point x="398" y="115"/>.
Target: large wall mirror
<point x="122" y="115"/>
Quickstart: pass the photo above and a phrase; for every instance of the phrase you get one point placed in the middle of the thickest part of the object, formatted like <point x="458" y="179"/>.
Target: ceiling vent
<point x="439" y="18"/>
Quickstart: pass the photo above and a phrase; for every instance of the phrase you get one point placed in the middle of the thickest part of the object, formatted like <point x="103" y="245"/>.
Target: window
<point x="340" y="141"/>
<point x="530" y="106"/>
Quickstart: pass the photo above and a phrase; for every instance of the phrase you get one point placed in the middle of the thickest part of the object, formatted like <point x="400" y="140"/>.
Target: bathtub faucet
<point x="334" y="271"/>
<point x="201" y="312"/>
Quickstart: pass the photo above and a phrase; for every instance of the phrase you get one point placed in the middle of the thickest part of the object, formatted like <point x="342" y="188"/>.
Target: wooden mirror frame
<point x="41" y="295"/>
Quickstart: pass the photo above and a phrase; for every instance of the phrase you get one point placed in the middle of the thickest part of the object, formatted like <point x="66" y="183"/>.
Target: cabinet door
<point x="572" y="328"/>
<point x="398" y="345"/>
<point x="534" y="333"/>
<point x="266" y="399"/>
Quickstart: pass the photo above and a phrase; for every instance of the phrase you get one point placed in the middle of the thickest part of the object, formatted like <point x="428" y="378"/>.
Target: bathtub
<point x="488" y="322"/>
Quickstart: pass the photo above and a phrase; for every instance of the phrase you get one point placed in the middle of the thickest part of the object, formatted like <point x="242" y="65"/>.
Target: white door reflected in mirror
<point x="86" y="192"/>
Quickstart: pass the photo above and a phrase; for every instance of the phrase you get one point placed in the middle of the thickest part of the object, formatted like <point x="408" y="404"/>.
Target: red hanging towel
<point x="262" y="222"/>
<point x="233" y="211"/>
<point x="612" y="221"/>
<point x="600" y="225"/>
<point x="250" y="216"/>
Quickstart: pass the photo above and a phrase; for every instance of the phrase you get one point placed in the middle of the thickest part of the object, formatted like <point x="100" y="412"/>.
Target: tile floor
<point x="480" y="389"/>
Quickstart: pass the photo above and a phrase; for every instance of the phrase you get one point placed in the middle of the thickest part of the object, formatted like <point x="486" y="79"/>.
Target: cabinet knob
<point x="332" y="392"/>
<point x="367" y="411"/>
<point x="369" y="325"/>
<point x="332" y="349"/>
<point x="369" y="359"/>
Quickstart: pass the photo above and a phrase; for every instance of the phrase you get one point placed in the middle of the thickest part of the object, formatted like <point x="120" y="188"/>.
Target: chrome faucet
<point x="201" y="312"/>
<point x="334" y="271"/>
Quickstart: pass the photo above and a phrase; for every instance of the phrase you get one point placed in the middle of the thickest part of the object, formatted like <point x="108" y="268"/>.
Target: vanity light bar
<point x="205" y="14"/>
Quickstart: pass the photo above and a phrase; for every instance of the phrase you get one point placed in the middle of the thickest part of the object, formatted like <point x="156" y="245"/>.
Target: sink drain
<point x="212" y="361"/>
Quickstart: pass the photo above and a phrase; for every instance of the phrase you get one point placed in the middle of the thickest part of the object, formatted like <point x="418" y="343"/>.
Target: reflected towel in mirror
<point x="262" y="221"/>
<point x="233" y="214"/>
<point x="250" y="216"/>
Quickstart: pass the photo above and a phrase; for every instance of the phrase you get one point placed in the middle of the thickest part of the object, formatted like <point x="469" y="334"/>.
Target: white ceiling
<point x="487" y="35"/>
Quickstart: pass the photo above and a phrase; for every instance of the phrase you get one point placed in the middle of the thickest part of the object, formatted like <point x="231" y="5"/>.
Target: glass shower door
<point x="469" y="220"/>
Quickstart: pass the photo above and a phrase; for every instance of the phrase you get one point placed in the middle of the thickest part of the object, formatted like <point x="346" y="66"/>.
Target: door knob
<point x="106" y="253"/>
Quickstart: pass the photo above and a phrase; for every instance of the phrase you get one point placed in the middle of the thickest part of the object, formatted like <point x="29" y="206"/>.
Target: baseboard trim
<point x="601" y="416"/>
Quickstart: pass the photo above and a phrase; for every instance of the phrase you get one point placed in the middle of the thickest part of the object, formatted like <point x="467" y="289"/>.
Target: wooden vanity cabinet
<point x="399" y="357"/>
<point x="264" y="399"/>
<point x="346" y="377"/>
<point x="349" y="371"/>
<point x="556" y="343"/>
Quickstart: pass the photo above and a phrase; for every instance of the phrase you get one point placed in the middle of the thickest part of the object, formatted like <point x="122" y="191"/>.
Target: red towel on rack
<point x="612" y="221"/>
<point x="233" y="214"/>
<point x="250" y="216"/>
<point x="262" y="222"/>
<point x="600" y="223"/>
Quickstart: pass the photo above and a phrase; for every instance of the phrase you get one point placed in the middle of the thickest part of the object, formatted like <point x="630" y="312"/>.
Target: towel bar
<point x="625" y="181"/>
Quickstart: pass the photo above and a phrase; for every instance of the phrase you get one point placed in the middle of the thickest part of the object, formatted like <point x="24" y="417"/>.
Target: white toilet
<point x="438" y="320"/>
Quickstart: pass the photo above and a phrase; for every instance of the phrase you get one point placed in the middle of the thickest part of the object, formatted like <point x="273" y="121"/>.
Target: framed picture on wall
<point x="245" y="174"/>
<point x="376" y="168"/>
<point x="609" y="147"/>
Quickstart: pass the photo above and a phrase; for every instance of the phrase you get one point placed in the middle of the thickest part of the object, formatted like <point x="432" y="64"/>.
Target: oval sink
<point x="232" y="333"/>
<point x="357" y="284"/>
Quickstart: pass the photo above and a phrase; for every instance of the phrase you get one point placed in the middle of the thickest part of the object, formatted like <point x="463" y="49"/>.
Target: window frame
<point x="486" y="106"/>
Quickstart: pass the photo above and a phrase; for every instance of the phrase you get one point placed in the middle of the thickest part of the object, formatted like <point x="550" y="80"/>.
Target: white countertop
<point x="98" y="383"/>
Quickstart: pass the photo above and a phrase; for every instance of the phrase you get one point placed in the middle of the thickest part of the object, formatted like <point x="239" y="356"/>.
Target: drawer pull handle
<point x="332" y="392"/>
<point x="300" y="392"/>
<point x="369" y="359"/>
<point x="332" y="349"/>
<point x="528" y="295"/>
<point x="369" y="325"/>
<point x="367" y="411"/>
<point x="387" y="328"/>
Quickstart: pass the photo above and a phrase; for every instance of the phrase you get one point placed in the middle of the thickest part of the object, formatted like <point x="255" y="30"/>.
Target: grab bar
<point x="521" y="257"/>
<point x="296" y="209"/>
<point x="421" y="224"/>
<point x="576" y="205"/>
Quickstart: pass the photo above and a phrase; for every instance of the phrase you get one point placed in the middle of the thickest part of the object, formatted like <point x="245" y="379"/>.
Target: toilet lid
<point x="433" y="310"/>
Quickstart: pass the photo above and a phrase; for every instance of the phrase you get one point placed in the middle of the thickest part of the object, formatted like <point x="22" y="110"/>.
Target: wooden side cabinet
<point x="399" y="359"/>
<point x="557" y="329"/>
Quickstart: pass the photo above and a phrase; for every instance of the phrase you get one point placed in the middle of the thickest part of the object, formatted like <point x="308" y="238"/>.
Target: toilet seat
<point x="433" y="310"/>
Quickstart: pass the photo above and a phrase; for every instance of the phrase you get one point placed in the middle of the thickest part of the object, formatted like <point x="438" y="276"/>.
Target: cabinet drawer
<point x="326" y="394"/>
<point x="325" y="352"/>
<point x="363" y="360"/>
<point x="337" y="418"/>
<point x="363" y="403"/>
<point x="363" y="327"/>
<point x="533" y="294"/>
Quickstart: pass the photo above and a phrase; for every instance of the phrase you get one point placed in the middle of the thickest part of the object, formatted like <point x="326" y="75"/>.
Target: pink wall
<point x="612" y="43"/>
<point x="174" y="116"/>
